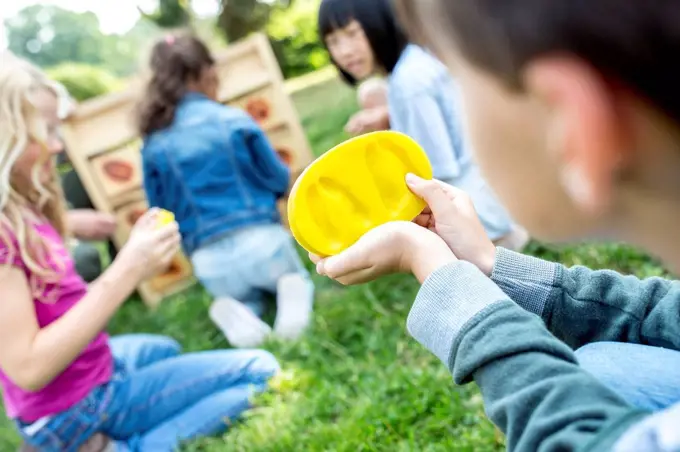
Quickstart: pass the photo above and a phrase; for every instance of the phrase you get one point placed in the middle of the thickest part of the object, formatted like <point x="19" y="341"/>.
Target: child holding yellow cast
<point x="63" y="379"/>
<point x="574" y="115"/>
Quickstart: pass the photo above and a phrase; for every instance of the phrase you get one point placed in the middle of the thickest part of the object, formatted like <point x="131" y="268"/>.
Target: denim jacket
<point x="215" y="169"/>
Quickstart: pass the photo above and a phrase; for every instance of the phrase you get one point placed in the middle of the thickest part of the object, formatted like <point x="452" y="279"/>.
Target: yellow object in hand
<point x="165" y="217"/>
<point x="354" y="187"/>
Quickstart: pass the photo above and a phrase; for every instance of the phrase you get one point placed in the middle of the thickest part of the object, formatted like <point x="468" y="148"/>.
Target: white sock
<point x="242" y="328"/>
<point x="294" y="300"/>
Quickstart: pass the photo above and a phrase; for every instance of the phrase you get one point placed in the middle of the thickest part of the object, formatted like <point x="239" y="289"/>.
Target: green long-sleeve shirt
<point x="532" y="385"/>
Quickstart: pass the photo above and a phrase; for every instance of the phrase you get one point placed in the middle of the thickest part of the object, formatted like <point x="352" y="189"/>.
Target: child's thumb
<point x="429" y="190"/>
<point x="416" y="184"/>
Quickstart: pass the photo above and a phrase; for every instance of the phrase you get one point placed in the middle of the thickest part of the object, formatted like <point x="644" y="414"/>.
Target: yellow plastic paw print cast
<point x="354" y="187"/>
<point x="165" y="217"/>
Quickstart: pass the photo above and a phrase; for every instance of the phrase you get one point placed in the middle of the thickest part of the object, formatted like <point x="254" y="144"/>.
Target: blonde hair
<point x="24" y="204"/>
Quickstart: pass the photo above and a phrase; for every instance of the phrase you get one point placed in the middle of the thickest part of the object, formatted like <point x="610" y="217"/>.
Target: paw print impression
<point x="285" y="155"/>
<point x="118" y="170"/>
<point x="258" y="109"/>
<point x="353" y="188"/>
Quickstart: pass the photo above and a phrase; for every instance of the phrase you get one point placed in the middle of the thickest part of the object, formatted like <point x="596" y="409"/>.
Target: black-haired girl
<point x="583" y="98"/>
<point x="364" y="39"/>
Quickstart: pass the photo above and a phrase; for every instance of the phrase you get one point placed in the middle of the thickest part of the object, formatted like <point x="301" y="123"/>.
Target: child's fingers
<point x="350" y="277"/>
<point x="354" y="259"/>
<point x="431" y="191"/>
<point x="148" y="218"/>
<point x="352" y="125"/>
<point x="168" y="249"/>
<point x="170" y="241"/>
<point x="357" y="277"/>
<point x="168" y="252"/>
<point x="438" y="195"/>
<point x="423" y="220"/>
<point x="166" y="232"/>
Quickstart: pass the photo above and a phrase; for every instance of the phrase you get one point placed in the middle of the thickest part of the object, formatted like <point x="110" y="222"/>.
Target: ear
<point x="586" y="130"/>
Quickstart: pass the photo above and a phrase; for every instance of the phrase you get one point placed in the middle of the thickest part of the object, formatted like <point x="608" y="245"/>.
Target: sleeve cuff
<point x="447" y="301"/>
<point x="527" y="280"/>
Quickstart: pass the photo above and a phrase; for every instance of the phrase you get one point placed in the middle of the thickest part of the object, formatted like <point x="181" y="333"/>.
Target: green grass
<point x="357" y="381"/>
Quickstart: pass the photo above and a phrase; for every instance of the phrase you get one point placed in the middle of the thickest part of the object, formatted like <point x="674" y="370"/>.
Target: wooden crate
<point x="103" y="145"/>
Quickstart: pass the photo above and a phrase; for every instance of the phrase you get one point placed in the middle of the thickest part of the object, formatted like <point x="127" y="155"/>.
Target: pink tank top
<point x="92" y="368"/>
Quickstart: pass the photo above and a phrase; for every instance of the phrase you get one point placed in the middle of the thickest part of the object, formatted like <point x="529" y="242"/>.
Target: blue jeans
<point x="646" y="377"/>
<point x="247" y="264"/>
<point x="158" y="398"/>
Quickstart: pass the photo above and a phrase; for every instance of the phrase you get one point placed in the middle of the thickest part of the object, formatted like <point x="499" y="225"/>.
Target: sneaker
<point x="242" y="328"/>
<point x="294" y="300"/>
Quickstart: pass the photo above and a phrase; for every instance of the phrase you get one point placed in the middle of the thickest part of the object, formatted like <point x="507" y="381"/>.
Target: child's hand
<point x="151" y="247"/>
<point x="88" y="224"/>
<point x="391" y="248"/>
<point x="368" y="121"/>
<point x="451" y="214"/>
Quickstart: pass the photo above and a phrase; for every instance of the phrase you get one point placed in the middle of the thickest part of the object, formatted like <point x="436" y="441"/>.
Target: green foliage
<point x="294" y="37"/>
<point x="239" y="18"/>
<point x="48" y="36"/>
<point x="84" y="81"/>
<point x="171" y="14"/>
<point x="356" y="382"/>
<point x="290" y="24"/>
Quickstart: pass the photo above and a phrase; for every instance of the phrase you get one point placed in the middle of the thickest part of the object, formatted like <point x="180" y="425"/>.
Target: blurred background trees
<point x="74" y="50"/>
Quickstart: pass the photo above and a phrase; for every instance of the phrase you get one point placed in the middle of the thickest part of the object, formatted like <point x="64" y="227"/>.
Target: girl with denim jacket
<point x="63" y="379"/>
<point x="214" y="167"/>
<point x="582" y="97"/>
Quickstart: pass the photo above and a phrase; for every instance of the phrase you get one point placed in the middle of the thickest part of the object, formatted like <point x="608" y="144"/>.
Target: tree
<point x="295" y="40"/>
<point x="84" y="81"/>
<point x="236" y="20"/>
<point x="290" y="24"/>
<point x="170" y="14"/>
<point x="49" y="35"/>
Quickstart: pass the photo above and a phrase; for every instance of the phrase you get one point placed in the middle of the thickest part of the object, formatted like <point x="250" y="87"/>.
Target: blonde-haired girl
<point x="62" y="378"/>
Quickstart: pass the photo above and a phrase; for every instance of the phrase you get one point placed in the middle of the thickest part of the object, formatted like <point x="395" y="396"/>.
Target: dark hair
<point x="630" y="43"/>
<point x="378" y="20"/>
<point x="175" y="60"/>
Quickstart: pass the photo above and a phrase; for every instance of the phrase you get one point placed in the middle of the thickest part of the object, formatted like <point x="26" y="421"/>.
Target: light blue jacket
<point x="424" y="103"/>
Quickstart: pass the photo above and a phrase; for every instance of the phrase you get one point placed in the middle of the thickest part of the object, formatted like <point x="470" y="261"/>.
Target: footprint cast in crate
<point x="258" y="109"/>
<point x="119" y="170"/>
<point x="285" y="155"/>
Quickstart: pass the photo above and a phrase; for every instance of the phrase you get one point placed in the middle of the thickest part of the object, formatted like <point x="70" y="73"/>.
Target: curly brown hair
<point x="175" y="60"/>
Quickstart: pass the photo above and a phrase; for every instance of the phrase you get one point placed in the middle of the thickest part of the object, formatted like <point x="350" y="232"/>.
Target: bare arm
<point x="87" y="224"/>
<point x="32" y="357"/>
<point x="371" y="120"/>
